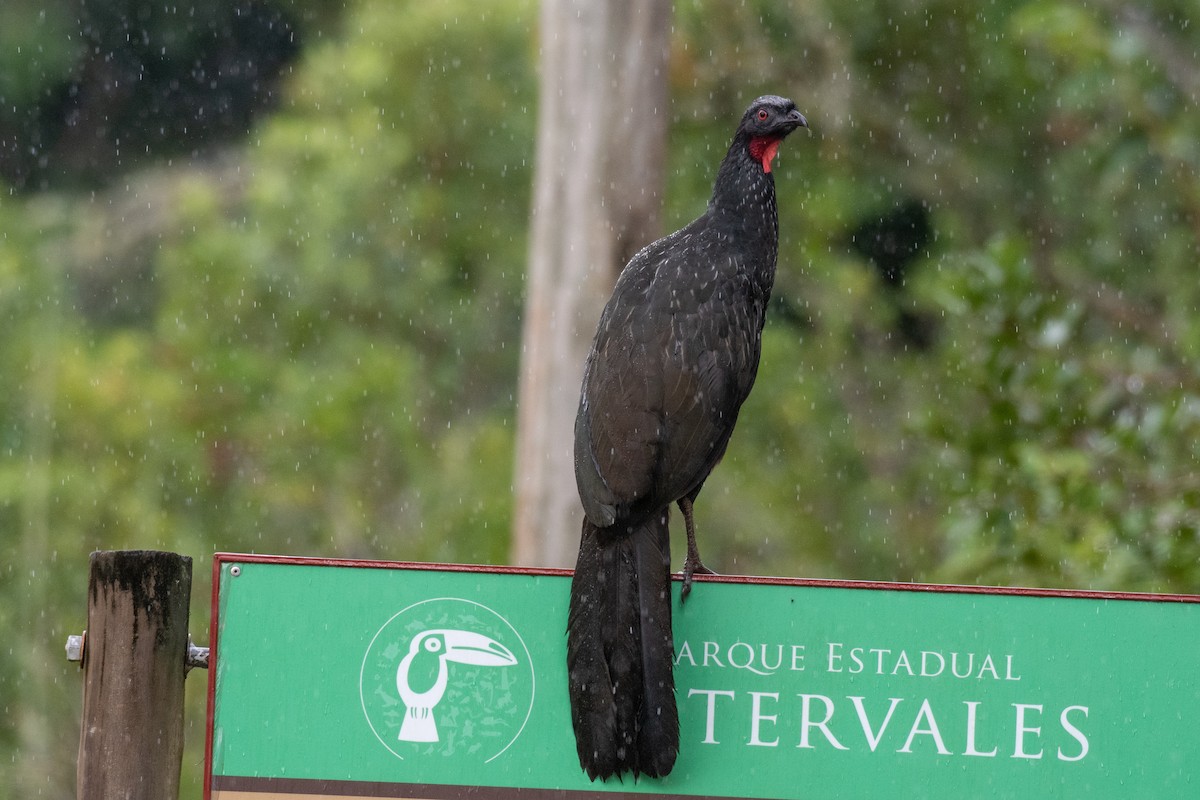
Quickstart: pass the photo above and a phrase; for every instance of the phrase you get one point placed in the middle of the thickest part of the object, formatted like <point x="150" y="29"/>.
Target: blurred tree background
<point x="261" y="273"/>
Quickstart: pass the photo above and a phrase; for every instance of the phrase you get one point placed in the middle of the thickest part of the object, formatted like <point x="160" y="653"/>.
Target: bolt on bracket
<point x="195" y="657"/>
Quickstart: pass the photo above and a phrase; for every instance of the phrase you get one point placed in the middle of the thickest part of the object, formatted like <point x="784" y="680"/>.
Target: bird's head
<point x="766" y="123"/>
<point x="463" y="647"/>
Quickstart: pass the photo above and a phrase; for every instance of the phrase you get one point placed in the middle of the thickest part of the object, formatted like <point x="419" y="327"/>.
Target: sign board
<point x="352" y="679"/>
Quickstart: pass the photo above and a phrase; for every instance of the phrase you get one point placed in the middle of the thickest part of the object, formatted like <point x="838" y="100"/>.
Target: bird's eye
<point x="762" y="115"/>
<point x="433" y="645"/>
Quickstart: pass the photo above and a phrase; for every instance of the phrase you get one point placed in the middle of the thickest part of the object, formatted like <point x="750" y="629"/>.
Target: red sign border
<point x="219" y="559"/>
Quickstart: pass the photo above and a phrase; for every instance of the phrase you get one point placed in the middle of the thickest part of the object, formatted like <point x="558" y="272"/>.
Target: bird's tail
<point x="620" y="652"/>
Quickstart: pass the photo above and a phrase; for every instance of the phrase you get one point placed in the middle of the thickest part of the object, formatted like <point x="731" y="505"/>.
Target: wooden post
<point x="131" y="742"/>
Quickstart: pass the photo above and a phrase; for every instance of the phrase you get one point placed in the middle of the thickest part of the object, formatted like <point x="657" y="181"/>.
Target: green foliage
<point x="306" y="346"/>
<point x="1073" y="467"/>
<point x="36" y="50"/>
<point x="308" y="343"/>
<point x="1047" y="437"/>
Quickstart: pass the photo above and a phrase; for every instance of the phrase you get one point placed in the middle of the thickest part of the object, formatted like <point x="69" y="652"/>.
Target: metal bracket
<point x="196" y="656"/>
<point x="75" y="647"/>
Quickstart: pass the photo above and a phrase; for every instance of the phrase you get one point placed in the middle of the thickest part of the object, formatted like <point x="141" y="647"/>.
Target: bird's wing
<point x="668" y="372"/>
<point x="713" y="361"/>
<point x="617" y="429"/>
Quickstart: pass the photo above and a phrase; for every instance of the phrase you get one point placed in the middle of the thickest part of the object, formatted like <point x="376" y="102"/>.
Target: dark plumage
<point x="674" y="357"/>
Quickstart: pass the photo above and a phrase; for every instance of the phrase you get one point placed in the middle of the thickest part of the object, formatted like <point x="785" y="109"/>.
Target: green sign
<point x="346" y="679"/>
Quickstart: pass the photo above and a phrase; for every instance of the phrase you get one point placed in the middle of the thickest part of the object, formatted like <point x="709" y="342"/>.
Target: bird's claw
<point x="691" y="568"/>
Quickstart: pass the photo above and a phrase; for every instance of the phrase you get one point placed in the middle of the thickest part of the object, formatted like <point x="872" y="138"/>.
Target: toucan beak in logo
<point x="423" y="673"/>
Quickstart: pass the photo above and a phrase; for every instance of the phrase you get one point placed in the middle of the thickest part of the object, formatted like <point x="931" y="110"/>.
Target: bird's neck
<point x="743" y="200"/>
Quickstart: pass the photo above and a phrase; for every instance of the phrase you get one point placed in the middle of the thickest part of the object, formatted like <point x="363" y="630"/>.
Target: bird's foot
<point x="692" y="567"/>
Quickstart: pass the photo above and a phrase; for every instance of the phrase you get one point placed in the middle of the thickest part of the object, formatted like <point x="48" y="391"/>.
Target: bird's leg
<point x="692" y="564"/>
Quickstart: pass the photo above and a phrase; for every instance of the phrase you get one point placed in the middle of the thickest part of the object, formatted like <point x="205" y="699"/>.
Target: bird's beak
<point x="796" y="117"/>
<point x="464" y="647"/>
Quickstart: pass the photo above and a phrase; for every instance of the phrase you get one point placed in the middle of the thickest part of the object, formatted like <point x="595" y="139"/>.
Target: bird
<point x="423" y="674"/>
<point x="675" y="354"/>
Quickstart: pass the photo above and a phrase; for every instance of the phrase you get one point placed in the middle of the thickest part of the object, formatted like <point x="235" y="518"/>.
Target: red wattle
<point x="764" y="149"/>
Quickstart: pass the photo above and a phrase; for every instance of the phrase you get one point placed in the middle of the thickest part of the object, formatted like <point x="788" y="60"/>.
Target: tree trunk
<point x="598" y="181"/>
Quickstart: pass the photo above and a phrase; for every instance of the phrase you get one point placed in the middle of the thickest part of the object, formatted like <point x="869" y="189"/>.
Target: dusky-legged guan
<point x="675" y="355"/>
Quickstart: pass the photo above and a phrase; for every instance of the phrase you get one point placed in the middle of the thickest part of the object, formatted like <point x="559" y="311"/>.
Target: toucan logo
<point x="424" y="673"/>
<point x="447" y="677"/>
